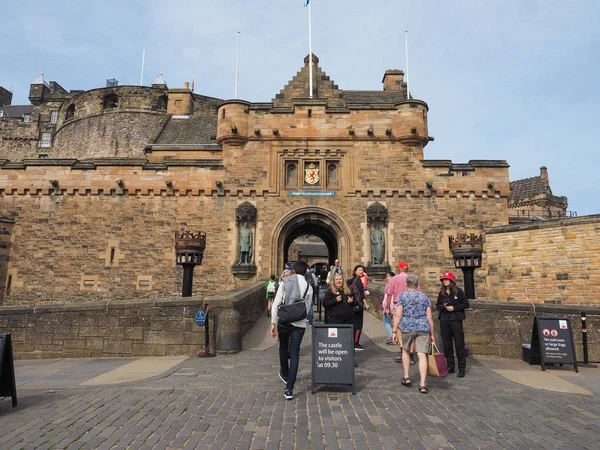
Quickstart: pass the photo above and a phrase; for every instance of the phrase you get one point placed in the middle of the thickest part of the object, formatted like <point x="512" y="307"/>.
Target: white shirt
<point x="280" y="296"/>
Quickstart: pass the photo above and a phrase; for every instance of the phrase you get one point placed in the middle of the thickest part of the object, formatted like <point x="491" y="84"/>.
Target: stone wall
<point x="114" y="245"/>
<point x="19" y="140"/>
<point x="555" y="261"/>
<point x="6" y="225"/>
<point x="115" y="133"/>
<point x="500" y="328"/>
<point x="128" y="328"/>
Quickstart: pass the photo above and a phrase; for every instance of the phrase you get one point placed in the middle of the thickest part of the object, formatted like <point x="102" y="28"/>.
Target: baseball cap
<point x="402" y="265"/>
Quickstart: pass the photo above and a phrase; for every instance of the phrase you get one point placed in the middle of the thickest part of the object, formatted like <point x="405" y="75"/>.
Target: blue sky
<point x="504" y="79"/>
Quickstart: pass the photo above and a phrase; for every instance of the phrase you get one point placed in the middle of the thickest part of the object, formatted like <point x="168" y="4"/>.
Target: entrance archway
<point x="311" y="221"/>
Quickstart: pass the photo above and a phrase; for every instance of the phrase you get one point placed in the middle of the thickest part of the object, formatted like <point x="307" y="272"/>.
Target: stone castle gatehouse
<point x="94" y="186"/>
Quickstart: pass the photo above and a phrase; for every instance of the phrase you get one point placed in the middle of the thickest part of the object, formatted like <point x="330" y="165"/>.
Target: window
<point x="291" y="178"/>
<point x="26" y="118"/>
<point x="111" y="101"/>
<point x="53" y="117"/>
<point x="46" y="140"/>
<point x="332" y="179"/>
<point x="70" y="112"/>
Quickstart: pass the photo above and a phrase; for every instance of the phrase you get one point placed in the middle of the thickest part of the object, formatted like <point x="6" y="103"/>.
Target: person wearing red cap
<point x="451" y="304"/>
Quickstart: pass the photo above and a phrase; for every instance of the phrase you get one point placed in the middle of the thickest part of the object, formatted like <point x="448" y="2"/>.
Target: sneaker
<point x="451" y="370"/>
<point x="398" y="358"/>
<point x="389" y="342"/>
<point x="289" y="395"/>
<point x="461" y="374"/>
<point x="281" y="377"/>
<point x="358" y="348"/>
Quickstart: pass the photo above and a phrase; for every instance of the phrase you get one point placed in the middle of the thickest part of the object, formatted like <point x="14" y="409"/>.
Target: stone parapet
<point x="157" y="327"/>
<point x="553" y="261"/>
<point x="500" y="328"/>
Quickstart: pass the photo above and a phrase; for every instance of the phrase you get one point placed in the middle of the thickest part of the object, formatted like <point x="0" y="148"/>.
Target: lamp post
<point x="467" y="251"/>
<point x="189" y="249"/>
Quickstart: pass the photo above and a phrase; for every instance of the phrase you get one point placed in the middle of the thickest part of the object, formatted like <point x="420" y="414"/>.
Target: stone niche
<point x="244" y="267"/>
<point x="377" y="220"/>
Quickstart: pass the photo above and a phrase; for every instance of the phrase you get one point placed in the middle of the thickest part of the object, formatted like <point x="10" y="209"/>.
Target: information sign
<point x="311" y="194"/>
<point x="333" y="355"/>
<point x="552" y="341"/>
<point x="200" y="318"/>
<point x="8" y="386"/>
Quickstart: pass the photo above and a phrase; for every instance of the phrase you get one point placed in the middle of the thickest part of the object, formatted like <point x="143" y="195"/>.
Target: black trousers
<point x="452" y="333"/>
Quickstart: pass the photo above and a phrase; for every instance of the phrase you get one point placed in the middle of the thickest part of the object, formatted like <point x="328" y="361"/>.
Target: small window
<point x="291" y="179"/>
<point x="70" y="112"/>
<point x="26" y="118"/>
<point x="110" y="101"/>
<point x="53" y="117"/>
<point x="46" y="140"/>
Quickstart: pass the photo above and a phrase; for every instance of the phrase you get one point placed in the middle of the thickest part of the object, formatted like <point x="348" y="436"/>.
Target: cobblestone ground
<point x="236" y="402"/>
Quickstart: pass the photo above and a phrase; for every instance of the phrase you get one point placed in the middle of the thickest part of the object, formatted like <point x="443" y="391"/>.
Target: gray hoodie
<point x="289" y="287"/>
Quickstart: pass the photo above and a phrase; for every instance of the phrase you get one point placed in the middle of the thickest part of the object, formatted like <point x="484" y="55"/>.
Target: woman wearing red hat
<point x="451" y="304"/>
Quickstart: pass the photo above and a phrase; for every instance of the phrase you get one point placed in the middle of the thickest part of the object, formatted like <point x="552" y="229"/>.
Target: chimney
<point x="393" y="80"/>
<point x="5" y="97"/>
<point x="181" y="102"/>
<point x="544" y="173"/>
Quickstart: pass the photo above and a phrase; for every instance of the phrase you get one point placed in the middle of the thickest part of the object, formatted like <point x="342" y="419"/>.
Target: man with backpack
<point x="271" y="288"/>
<point x="292" y="290"/>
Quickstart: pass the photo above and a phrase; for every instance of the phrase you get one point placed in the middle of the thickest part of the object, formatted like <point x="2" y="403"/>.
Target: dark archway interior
<point x="318" y="229"/>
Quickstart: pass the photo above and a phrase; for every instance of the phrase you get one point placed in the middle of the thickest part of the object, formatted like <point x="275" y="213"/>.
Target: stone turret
<point x="232" y="125"/>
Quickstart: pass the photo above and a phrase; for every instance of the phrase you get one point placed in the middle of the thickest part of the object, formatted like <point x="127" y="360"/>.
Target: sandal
<point x="406" y="382"/>
<point x="423" y="389"/>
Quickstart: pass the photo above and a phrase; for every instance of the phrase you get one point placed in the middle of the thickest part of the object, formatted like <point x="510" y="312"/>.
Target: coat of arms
<point x="311" y="175"/>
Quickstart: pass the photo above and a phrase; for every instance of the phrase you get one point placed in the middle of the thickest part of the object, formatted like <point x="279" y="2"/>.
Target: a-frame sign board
<point x="552" y="341"/>
<point x="8" y="386"/>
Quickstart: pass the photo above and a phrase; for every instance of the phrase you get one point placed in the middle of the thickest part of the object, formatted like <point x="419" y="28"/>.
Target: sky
<point x="504" y="79"/>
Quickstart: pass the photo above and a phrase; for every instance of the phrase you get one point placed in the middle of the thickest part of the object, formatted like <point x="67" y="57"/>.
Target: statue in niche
<point x="245" y="244"/>
<point x="377" y="245"/>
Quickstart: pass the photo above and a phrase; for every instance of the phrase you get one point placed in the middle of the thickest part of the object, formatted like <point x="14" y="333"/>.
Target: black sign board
<point x="333" y="355"/>
<point x="8" y="386"/>
<point x="552" y="341"/>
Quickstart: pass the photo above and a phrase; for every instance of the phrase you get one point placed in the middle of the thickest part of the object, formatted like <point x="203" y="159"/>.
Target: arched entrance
<point x="314" y="221"/>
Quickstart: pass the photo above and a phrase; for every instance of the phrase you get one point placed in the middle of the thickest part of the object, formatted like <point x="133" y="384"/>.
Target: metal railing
<point x="533" y="214"/>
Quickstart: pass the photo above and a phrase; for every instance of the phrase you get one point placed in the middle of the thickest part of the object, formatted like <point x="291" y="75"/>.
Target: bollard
<point x="586" y="361"/>
<point x="228" y="331"/>
<point x="584" y="338"/>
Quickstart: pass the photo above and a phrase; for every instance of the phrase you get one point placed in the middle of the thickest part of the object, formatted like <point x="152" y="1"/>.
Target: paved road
<point x="236" y="402"/>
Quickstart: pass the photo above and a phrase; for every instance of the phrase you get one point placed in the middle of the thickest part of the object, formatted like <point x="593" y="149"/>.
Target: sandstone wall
<point x="500" y="328"/>
<point x="555" y="261"/>
<point x="128" y="328"/>
<point x="112" y="244"/>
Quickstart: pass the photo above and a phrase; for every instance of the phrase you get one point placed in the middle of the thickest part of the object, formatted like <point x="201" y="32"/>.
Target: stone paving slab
<point x="236" y="401"/>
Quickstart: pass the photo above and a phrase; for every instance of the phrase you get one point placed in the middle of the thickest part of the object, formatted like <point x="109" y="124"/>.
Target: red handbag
<point x="436" y="363"/>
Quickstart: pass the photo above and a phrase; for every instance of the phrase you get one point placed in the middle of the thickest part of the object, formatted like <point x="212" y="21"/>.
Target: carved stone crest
<point x="377" y="213"/>
<point x="311" y="174"/>
<point x="246" y="212"/>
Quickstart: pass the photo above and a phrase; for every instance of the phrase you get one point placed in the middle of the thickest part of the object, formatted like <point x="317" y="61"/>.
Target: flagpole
<point x="143" y="59"/>
<point x="310" y="58"/>
<point x="237" y="66"/>
<point x="407" y="79"/>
